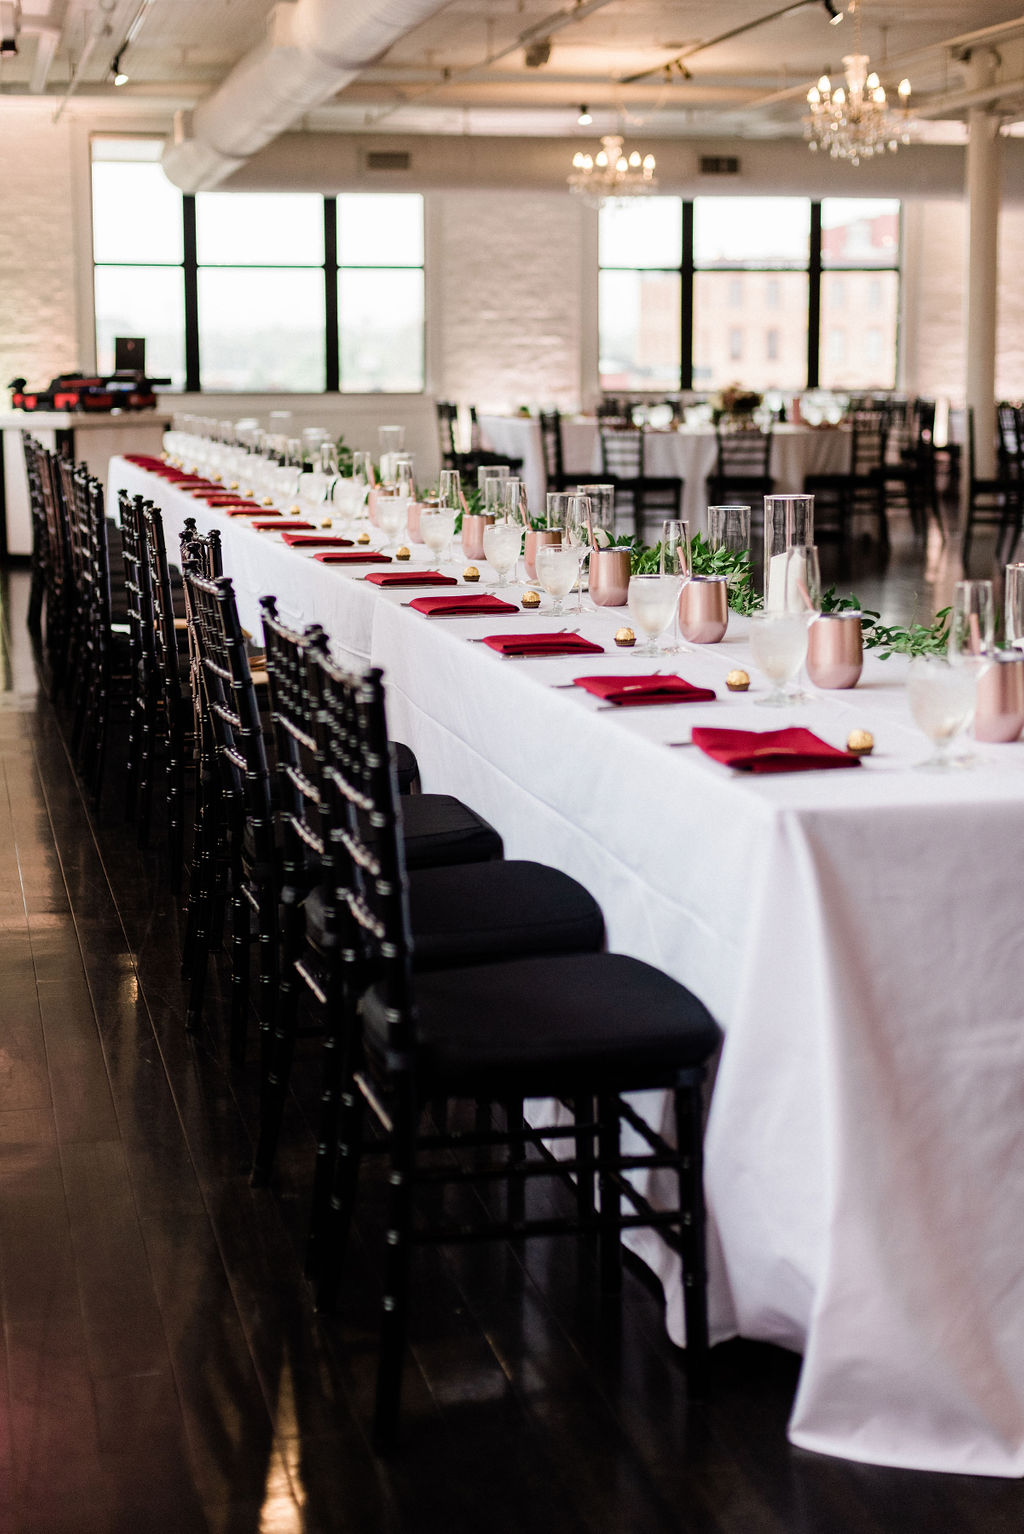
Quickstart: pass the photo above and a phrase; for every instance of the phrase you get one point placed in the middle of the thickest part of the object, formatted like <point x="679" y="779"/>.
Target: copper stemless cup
<point x="704" y="609"/>
<point x="609" y="577"/>
<point x="835" y="654"/>
<point x="473" y="534"/>
<point x="538" y="539"/>
<point x="999" y="709"/>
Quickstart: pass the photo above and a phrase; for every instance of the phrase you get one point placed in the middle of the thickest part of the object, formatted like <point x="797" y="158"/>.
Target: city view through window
<point x="747" y="281"/>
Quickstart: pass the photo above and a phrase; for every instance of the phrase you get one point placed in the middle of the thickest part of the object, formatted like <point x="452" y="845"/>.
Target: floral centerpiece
<point x="735" y="403"/>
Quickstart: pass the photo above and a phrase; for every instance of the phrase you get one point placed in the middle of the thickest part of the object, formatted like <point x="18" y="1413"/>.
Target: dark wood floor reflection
<point x="164" y="1372"/>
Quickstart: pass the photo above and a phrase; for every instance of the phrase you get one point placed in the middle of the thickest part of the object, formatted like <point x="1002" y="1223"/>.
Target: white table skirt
<point x="689" y="452"/>
<point x="860" y="937"/>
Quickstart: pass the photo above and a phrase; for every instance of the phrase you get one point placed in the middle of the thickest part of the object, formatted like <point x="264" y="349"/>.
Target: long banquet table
<point x="689" y="453"/>
<point x="859" y="935"/>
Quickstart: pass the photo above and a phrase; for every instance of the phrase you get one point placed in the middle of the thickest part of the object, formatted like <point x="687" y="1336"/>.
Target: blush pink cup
<point x="704" y="609"/>
<point x="835" y="655"/>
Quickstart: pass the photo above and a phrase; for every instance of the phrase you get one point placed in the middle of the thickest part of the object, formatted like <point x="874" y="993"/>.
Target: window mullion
<point x="686" y="301"/>
<point x="190" y="267"/>
<point x="814" y="300"/>
<point x="332" y="347"/>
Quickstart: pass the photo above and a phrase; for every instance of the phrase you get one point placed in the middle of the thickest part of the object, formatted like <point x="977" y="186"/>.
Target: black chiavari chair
<point x="587" y="1027"/>
<point x="462" y="913"/>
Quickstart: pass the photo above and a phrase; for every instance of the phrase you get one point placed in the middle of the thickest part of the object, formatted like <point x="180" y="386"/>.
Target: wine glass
<point x="941" y="695"/>
<point x="494" y="496"/>
<point x="449" y="489"/>
<point x="972" y="624"/>
<point x="778" y="642"/>
<point x="653" y="602"/>
<point x="674" y="559"/>
<point x="437" y="528"/>
<point x="557" y="569"/>
<point x="576" y="534"/>
<point x="502" y="542"/>
<point x="488" y="471"/>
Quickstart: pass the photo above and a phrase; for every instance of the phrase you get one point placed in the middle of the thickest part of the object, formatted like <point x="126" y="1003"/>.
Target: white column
<point x="983" y="198"/>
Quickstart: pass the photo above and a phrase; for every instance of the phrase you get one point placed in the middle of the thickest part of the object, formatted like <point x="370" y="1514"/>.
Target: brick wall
<point x="510" y="296"/>
<point x="38" y="306"/>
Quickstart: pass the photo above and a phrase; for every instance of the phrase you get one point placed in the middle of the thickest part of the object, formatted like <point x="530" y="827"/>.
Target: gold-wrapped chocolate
<point x="530" y="599"/>
<point x="363" y="538"/>
<point x="860" y="742"/>
<point x="295" y="510"/>
<point x="625" y="638"/>
<point x="325" y="521"/>
<point x="268" y="500"/>
<point x="471" y="573"/>
<point x="403" y="553"/>
<point x="737" y="681"/>
<point x="233" y="485"/>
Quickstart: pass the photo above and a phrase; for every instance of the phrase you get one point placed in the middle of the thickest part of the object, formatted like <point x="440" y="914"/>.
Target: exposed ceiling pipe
<point x="313" y="48"/>
<point x="100" y="28"/>
<point x="46" y="47"/>
<point x="541" y="29"/>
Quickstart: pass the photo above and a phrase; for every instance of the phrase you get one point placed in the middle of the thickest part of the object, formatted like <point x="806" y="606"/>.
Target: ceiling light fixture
<point x="855" y="121"/>
<point x="120" y="78"/>
<point x="611" y="172"/>
<point x="584" y="119"/>
<point x="835" y="15"/>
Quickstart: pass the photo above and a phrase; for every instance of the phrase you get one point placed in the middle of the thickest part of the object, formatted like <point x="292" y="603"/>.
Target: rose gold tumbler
<point x="835" y="654"/>
<point x="704" y="609"/>
<point x="538" y="540"/>
<point x="999" y="709"/>
<point x="609" y="577"/>
<point x="473" y="534"/>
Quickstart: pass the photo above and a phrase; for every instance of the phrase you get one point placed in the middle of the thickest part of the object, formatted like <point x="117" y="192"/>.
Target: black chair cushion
<point x="438" y="830"/>
<point x="469" y="914"/>
<point x="540" y="1026"/>
<point x="407" y="767"/>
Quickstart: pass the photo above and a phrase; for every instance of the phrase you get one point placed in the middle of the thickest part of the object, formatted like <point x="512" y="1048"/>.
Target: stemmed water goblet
<point x="653" y="602"/>
<point x="557" y="569"/>
<point x="437" y="528"/>
<point x="502" y="543"/>
<point x="941" y="694"/>
<point x="778" y="643"/>
<point x="392" y="517"/>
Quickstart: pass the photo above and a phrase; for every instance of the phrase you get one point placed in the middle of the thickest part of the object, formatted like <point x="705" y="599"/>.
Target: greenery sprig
<point x="892" y="639"/>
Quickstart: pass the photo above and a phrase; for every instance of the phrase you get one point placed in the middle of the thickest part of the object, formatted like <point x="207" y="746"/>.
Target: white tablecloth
<point x="689" y="452"/>
<point x="860" y="936"/>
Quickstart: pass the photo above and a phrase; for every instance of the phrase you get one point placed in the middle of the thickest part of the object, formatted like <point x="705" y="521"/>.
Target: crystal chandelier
<point x="855" y="121"/>
<point x="611" y="172"/>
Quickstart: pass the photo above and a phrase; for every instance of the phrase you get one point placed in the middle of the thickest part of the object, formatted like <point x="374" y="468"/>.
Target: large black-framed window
<point x="699" y="294"/>
<point x="257" y="292"/>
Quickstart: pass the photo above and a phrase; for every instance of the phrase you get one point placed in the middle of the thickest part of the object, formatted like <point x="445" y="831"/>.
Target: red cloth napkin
<point x="792" y="750"/>
<point x="222" y="498"/>
<point x="447" y="607"/>
<point x="409" y="578"/>
<point x="542" y="644"/>
<point x="313" y="540"/>
<point x="352" y="557"/>
<point x="273" y="524"/>
<point x="145" y="461"/>
<point x="247" y="509"/>
<point x="632" y="691"/>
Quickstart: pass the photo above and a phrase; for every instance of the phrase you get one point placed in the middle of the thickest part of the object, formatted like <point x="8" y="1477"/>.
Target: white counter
<point x="95" y="437"/>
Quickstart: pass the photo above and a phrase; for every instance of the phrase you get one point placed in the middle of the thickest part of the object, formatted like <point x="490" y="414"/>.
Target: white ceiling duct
<point x="312" y="49"/>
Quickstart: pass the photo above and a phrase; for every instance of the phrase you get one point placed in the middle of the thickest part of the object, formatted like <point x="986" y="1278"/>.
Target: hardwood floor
<point x="164" y="1370"/>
